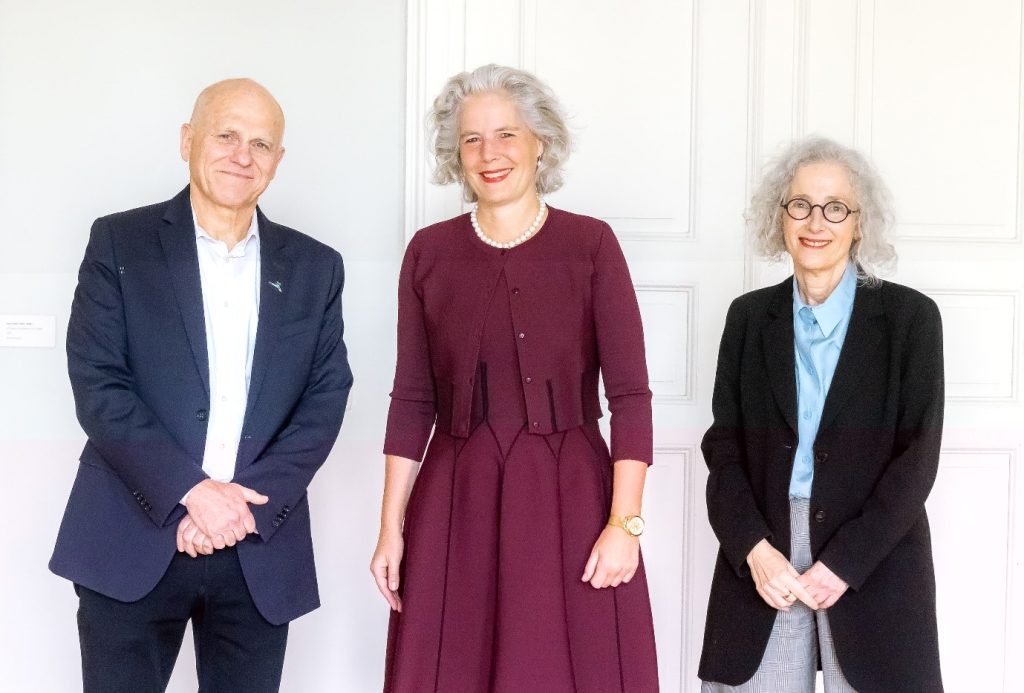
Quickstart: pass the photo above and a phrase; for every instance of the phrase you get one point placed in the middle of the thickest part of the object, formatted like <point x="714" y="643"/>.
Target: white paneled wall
<point x="677" y="105"/>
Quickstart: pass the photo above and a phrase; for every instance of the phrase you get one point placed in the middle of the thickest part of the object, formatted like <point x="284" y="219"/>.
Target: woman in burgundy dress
<point x="513" y="562"/>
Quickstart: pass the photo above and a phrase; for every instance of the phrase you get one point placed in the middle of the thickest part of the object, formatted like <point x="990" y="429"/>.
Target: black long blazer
<point x="875" y="460"/>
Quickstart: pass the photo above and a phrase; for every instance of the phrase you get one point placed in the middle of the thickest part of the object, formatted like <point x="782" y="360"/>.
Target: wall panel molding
<point x="681" y="458"/>
<point x="675" y="387"/>
<point x="966" y="353"/>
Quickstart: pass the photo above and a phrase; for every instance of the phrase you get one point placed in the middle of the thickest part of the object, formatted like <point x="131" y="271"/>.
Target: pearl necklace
<point x="518" y="240"/>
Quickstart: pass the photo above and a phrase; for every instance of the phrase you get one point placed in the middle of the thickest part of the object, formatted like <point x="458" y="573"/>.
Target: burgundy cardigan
<point x="574" y="312"/>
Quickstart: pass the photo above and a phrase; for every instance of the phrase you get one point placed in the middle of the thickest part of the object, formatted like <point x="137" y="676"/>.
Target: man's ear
<point x="185" y="141"/>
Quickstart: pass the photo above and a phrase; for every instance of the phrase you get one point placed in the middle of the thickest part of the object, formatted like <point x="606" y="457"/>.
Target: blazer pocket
<point x="296" y="327"/>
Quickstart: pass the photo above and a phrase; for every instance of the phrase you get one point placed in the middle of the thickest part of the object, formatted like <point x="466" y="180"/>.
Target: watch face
<point x="635" y="525"/>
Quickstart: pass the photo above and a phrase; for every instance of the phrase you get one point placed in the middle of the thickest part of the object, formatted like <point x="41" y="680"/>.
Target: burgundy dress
<point x="498" y="529"/>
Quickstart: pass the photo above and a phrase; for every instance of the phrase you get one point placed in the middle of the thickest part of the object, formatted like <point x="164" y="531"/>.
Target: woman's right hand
<point x="776" y="579"/>
<point x="387" y="558"/>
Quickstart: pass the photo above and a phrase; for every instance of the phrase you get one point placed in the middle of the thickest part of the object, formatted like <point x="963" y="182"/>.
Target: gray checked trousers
<point x="791" y="658"/>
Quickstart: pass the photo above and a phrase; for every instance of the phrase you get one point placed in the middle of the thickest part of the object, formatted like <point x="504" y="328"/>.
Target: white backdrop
<point x="676" y="103"/>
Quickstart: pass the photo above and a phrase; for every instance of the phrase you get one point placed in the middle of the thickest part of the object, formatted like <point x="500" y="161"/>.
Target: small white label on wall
<point x="34" y="331"/>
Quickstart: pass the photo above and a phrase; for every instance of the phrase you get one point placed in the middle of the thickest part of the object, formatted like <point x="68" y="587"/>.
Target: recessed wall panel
<point x="627" y="84"/>
<point x="979" y="337"/>
<point x="944" y="123"/>
<point x="666" y="514"/>
<point x="969" y="511"/>
<point x="667" y="316"/>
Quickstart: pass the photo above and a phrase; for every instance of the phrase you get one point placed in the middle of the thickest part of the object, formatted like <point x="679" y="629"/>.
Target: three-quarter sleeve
<point x="413" y="397"/>
<point x="620" y="346"/>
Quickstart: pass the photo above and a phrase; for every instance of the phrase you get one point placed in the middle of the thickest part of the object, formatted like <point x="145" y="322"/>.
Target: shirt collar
<point x="836" y="307"/>
<point x="239" y="249"/>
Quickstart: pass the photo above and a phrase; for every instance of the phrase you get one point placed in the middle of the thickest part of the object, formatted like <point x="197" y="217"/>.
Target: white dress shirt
<point x="231" y="303"/>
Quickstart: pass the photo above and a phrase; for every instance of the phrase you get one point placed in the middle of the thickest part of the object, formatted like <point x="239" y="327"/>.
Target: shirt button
<point x="536" y="424"/>
<point x="222" y="446"/>
<point x="515" y="291"/>
<point x="223" y="398"/>
<point x="227" y="304"/>
<point x="529" y="380"/>
<point x="807" y="415"/>
<point x="522" y="335"/>
<point x="819" y="516"/>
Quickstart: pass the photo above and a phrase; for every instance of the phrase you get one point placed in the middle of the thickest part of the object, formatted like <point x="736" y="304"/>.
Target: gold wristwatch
<point x="633" y="524"/>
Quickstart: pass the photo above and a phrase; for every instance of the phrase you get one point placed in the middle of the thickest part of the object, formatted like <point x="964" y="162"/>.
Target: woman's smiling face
<point x="498" y="151"/>
<point x="815" y="243"/>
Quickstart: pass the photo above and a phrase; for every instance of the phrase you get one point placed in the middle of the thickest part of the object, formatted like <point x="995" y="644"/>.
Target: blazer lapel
<point x="777" y="342"/>
<point x="179" y="243"/>
<point x="275" y="287"/>
<point x="862" y="340"/>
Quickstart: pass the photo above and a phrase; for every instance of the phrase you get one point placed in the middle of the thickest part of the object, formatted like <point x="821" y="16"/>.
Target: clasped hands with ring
<point x="780" y="585"/>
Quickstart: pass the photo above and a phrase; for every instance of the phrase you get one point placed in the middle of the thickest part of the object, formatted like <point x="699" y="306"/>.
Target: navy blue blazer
<point x="137" y="359"/>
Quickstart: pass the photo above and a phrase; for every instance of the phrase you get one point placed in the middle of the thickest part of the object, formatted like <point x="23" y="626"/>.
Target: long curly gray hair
<point x="872" y="251"/>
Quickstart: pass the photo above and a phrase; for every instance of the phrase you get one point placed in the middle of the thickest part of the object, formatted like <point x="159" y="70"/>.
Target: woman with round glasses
<point x="828" y="407"/>
<point x="514" y="565"/>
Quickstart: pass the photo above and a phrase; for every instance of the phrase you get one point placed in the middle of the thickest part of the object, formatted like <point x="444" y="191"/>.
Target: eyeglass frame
<point x="785" y="206"/>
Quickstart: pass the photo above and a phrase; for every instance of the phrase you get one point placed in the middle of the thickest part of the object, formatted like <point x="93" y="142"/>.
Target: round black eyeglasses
<point x="835" y="211"/>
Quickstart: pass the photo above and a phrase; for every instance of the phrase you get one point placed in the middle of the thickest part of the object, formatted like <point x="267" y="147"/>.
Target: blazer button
<point x="202" y="414"/>
<point x="819" y="516"/>
<point x="820" y="457"/>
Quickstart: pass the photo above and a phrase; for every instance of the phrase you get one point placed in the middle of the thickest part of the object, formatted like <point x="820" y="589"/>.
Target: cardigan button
<point x="522" y="335"/>
<point x="515" y="292"/>
<point x="819" y="516"/>
<point x="529" y="380"/>
<point x="536" y="424"/>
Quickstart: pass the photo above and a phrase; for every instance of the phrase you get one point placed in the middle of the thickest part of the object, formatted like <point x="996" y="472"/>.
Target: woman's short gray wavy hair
<point x="872" y="252"/>
<point x="538" y="107"/>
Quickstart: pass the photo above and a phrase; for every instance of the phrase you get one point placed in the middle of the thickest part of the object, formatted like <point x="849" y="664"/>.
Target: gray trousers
<point x="790" y="660"/>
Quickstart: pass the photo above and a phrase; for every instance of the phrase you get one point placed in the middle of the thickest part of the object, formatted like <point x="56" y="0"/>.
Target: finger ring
<point x="790" y="597"/>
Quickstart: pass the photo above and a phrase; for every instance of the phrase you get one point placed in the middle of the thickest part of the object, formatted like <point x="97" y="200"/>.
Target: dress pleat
<point x="498" y="530"/>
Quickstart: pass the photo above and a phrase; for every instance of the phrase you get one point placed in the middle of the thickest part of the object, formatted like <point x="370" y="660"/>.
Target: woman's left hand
<point x="613" y="560"/>
<point x="825" y="586"/>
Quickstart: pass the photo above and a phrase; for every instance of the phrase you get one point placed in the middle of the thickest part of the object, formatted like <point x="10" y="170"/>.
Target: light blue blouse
<point x="819" y="332"/>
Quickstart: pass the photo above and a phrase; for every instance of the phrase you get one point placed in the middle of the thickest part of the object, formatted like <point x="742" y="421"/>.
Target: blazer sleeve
<point x="413" y="407"/>
<point x="620" y="348"/>
<point x="286" y="467"/>
<point x="732" y="510"/>
<point x="125" y="431"/>
<point x="898" y="499"/>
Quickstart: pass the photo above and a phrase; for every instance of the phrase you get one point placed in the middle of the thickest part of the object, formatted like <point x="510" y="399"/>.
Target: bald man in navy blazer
<point x="207" y="360"/>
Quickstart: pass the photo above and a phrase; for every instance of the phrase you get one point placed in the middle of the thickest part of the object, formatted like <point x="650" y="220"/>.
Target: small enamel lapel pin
<point x="277" y="285"/>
